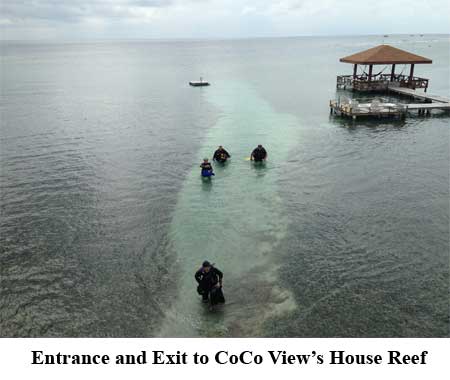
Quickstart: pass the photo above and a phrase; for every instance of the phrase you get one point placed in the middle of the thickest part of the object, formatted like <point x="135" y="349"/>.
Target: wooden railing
<point x="379" y="82"/>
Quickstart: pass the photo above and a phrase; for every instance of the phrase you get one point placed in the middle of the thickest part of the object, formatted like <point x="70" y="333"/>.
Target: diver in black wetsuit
<point x="221" y="155"/>
<point x="209" y="281"/>
<point x="259" y="154"/>
<point x="207" y="170"/>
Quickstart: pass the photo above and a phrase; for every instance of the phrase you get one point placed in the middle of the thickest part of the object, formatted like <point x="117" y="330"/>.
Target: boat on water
<point x="198" y="83"/>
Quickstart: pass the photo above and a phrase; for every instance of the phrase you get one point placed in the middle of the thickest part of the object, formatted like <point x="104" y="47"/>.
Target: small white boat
<point x="199" y="83"/>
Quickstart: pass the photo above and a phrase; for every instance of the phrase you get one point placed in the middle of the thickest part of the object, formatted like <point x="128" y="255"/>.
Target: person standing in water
<point x="221" y="155"/>
<point x="259" y="154"/>
<point x="209" y="281"/>
<point x="207" y="170"/>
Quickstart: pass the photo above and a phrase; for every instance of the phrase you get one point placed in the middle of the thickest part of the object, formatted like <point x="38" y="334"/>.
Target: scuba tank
<point x="207" y="170"/>
<point x="207" y="173"/>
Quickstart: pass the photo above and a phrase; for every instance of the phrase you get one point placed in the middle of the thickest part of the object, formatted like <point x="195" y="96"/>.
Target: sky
<point x="165" y="19"/>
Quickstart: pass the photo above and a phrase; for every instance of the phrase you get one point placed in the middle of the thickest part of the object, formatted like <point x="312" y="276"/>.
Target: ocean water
<point x="105" y="219"/>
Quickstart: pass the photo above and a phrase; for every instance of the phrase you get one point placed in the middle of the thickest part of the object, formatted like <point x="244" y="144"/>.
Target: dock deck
<point x="419" y="94"/>
<point x="352" y="108"/>
<point x="428" y="106"/>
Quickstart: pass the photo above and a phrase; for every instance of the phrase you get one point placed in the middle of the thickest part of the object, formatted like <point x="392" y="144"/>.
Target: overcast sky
<point x="99" y="19"/>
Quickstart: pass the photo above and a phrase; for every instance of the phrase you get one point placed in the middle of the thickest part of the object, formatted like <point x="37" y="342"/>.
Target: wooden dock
<point x="428" y="106"/>
<point x="431" y="102"/>
<point x="352" y="108"/>
<point x="419" y="95"/>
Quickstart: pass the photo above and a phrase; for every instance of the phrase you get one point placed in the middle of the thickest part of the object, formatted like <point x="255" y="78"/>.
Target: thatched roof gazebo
<point x="382" y="55"/>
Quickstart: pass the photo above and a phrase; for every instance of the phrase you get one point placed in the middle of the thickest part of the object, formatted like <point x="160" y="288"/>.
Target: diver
<point x="207" y="170"/>
<point x="209" y="280"/>
<point x="221" y="155"/>
<point x="259" y="154"/>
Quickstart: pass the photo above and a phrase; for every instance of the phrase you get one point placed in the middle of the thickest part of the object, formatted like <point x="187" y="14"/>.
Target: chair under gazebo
<point x="388" y="56"/>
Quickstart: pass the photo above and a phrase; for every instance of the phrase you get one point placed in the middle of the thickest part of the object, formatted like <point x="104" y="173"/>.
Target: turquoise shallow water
<point x="104" y="216"/>
<point x="237" y="219"/>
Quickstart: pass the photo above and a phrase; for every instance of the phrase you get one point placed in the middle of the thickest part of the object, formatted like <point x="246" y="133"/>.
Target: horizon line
<point x="168" y="39"/>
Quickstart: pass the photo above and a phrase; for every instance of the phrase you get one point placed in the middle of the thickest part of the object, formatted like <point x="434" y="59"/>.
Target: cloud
<point x="22" y="11"/>
<point x="23" y="19"/>
<point x="248" y="10"/>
